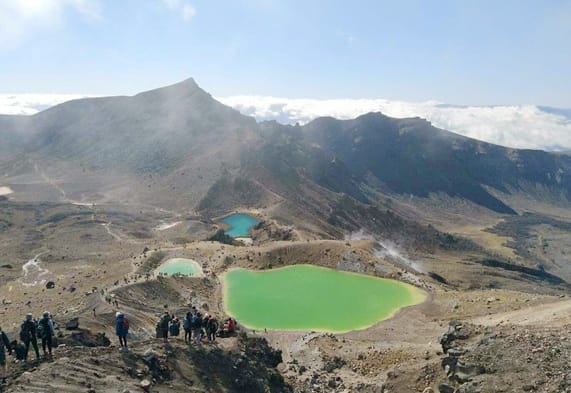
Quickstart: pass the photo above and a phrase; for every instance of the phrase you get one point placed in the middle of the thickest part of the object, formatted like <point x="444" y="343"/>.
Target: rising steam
<point x="387" y="250"/>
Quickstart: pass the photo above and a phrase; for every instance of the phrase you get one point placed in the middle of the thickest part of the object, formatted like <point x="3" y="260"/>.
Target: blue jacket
<point x="186" y="323"/>
<point x="119" y="328"/>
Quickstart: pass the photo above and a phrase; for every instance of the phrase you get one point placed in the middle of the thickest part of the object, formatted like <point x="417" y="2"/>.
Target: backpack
<point x="20" y="351"/>
<point x="196" y="320"/>
<point x="26" y="330"/>
<point x="3" y="341"/>
<point x="213" y="325"/>
<point x="164" y="323"/>
<point x="43" y="329"/>
<point x="125" y="324"/>
<point x="174" y="329"/>
<point x="186" y="324"/>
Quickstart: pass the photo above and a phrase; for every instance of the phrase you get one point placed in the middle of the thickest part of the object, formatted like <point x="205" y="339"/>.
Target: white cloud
<point x="28" y="104"/>
<point x="186" y="10"/>
<point x="21" y="19"/>
<point x="519" y="126"/>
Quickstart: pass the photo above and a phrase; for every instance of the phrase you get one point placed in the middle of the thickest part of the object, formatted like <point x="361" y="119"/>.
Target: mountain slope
<point x="178" y="138"/>
<point x="409" y="156"/>
<point x="150" y="132"/>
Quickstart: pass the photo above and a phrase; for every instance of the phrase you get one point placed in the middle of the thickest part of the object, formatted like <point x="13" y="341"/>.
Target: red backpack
<point x="125" y="324"/>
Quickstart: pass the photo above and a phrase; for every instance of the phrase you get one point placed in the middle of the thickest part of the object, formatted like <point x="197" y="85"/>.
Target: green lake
<point x="183" y="266"/>
<point x="305" y="297"/>
<point x="239" y="225"/>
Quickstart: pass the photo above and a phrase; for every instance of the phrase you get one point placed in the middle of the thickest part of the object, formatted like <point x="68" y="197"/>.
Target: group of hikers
<point x="30" y="330"/>
<point x="197" y="327"/>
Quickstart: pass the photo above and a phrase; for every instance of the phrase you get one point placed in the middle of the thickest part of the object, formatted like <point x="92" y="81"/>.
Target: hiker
<point x="28" y="334"/>
<point x="187" y="327"/>
<point x="121" y="328"/>
<point x="230" y="326"/>
<point x="4" y="345"/>
<point x="196" y="326"/>
<point x="19" y="349"/>
<point x="174" y="328"/>
<point x="46" y="332"/>
<point x="163" y="326"/>
<point x="211" y="328"/>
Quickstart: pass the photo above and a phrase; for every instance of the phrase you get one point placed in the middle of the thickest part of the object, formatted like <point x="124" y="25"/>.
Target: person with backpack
<point x="46" y="332"/>
<point x="196" y="326"/>
<point x="164" y="326"/>
<point x="211" y="328"/>
<point x="187" y="328"/>
<point x="121" y="328"/>
<point x="174" y="328"/>
<point x="19" y="349"/>
<point x="28" y="334"/>
<point x="4" y="346"/>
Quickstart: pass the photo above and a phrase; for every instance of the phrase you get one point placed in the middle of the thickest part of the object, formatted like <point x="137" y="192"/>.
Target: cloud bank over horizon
<point x="517" y="126"/>
<point x="29" y="104"/>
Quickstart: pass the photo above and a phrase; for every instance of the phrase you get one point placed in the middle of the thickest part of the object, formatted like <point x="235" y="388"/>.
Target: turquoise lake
<point x="183" y="266"/>
<point x="305" y="298"/>
<point x="239" y="225"/>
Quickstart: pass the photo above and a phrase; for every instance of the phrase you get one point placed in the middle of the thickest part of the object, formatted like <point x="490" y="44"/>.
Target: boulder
<point x="72" y="324"/>
<point x="146" y="385"/>
<point x="445" y="388"/>
<point x="50" y="285"/>
<point x="465" y="372"/>
<point x="85" y="338"/>
<point x="469" y="388"/>
<point x="455" y="332"/>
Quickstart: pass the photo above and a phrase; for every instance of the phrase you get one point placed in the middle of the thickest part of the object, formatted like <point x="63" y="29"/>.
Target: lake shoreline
<point x="416" y="297"/>
<point x="185" y="263"/>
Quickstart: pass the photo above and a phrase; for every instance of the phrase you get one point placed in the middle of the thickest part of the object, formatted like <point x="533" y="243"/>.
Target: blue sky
<point x="461" y="52"/>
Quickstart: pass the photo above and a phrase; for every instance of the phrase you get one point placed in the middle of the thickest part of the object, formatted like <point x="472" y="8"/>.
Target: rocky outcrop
<point x="72" y="324"/>
<point x="508" y="358"/>
<point x="268" y="230"/>
<point x="243" y="364"/>
<point x="85" y="338"/>
<point x="457" y="370"/>
<point x="250" y="369"/>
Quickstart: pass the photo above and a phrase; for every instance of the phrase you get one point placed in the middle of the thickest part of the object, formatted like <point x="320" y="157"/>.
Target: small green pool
<point x="186" y="267"/>
<point x="305" y="297"/>
<point x="239" y="225"/>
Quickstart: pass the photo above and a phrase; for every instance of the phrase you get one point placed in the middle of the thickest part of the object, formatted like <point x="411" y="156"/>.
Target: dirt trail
<point x="554" y="314"/>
